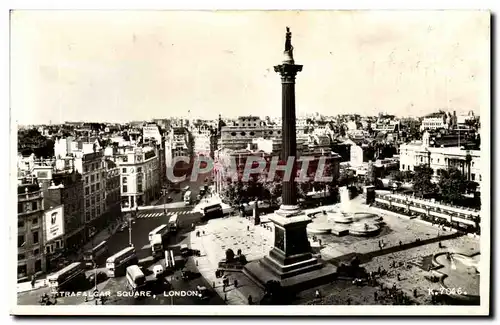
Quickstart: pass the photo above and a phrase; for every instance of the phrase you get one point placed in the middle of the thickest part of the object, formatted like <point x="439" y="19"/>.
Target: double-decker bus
<point x="173" y="223"/>
<point x="66" y="278"/>
<point x="95" y="255"/>
<point x="160" y="230"/>
<point x="211" y="212"/>
<point x="117" y="263"/>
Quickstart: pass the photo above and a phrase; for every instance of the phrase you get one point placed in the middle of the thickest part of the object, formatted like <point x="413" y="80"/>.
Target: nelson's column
<point x="290" y="261"/>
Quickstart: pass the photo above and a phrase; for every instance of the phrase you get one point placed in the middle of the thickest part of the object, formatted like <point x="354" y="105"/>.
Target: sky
<point x="137" y="65"/>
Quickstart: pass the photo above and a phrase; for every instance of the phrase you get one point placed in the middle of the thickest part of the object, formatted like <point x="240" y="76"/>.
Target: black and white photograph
<point x="331" y="162"/>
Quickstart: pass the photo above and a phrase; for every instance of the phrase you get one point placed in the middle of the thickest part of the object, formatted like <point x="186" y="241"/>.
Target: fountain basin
<point x="363" y="229"/>
<point x="319" y="228"/>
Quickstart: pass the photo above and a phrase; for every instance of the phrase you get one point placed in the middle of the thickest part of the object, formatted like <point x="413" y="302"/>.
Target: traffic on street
<point x="165" y="283"/>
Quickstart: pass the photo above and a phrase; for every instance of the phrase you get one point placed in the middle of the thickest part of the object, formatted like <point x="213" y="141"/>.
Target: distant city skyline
<point x="121" y="66"/>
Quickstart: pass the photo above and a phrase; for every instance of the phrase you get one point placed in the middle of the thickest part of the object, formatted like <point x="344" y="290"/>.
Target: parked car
<point x="158" y="271"/>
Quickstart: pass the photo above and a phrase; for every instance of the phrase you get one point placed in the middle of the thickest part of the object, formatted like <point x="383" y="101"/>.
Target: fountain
<point x="344" y="215"/>
<point x="344" y="220"/>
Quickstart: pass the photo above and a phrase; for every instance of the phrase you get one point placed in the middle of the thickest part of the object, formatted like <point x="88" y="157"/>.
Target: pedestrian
<point x="319" y="241"/>
<point x="235" y="283"/>
<point x="224" y="286"/>
<point x="250" y="301"/>
<point x="33" y="281"/>
<point x="213" y="284"/>
<point x="317" y="294"/>
<point x="203" y="232"/>
<point x="375" y="295"/>
<point x="400" y="243"/>
<point x="348" y="301"/>
<point x="225" y="297"/>
<point x="415" y="293"/>
<point x="248" y="228"/>
<point x="399" y="277"/>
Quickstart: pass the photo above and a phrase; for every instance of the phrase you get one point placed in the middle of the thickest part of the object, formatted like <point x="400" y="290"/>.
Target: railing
<point x="29" y="196"/>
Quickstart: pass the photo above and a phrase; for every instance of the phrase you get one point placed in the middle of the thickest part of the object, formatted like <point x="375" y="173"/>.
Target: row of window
<point x="124" y="170"/>
<point x="27" y="206"/>
<point x="92" y="188"/>
<point x="94" y="178"/>
<point x="92" y="201"/>
<point x="125" y="188"/>
<point x="22" y="270"/>
<point x="21" y="239"/>
<point x="34" y="222"/>
<point x="92" y="166"/>
<point x="436" y="172"/>
<point x="93" y="213"/>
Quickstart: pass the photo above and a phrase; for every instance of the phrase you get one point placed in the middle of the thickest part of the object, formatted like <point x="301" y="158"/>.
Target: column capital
<point x="288" y="72"/>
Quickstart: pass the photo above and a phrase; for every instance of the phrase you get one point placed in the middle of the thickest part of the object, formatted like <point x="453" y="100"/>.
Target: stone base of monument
<point x="290" y="262"/>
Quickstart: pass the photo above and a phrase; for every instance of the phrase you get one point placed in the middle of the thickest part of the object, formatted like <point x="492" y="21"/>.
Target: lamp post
<point x="130" y="229"/>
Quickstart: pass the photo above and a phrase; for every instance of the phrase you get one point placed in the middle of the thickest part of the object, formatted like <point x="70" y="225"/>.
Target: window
<point x="97" y="186"/>
<point x="421" y="159"/>
<point x="139" y="169"/>
<point x="96" y="177"/>
<point x="139" y="187"/>
<point x="92" y="188"/>
<point x="124" y="170"/>
<point x="34" y="206"/>
<point x="98" y="199"/>
<point x="20" y="241"/>
<point x="124" y="189"/>
<point x="58" y="244"/>
<point x="21" y="257"/>
<point x="34" y="221"/>
<point x="93" y="213"/>
<point x="19" y="208"/>
<point x="472" y="164"/>
<point x="87" y="215"/>
<point x="35" y="237"/>
<point x="87" y="190"/>
<point x="124" y="180"/>
<point x="98" y="210"/>
<point x="85" y="169"/>
<point x="92" y="200"/>
<point x="22" y="270"/>
<point x="38" y="265"/>
<point x="403" y="167"/>
<point x="86" y="179"/>
<point x="438" y="160"/>
<point x="36" y="251"/>
<point x="103" y="196"/>
<point x="92" y="178"/>
<point x="20" y="224"/>
<point x="473" y="176"/>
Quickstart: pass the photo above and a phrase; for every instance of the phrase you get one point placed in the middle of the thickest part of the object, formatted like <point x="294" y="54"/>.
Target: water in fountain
<point x="345" y="207"/>
<point x="345" y="201"/>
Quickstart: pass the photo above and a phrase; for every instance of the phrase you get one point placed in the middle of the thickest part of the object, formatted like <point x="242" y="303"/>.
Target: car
<point x="158" y="270"/>
<point x="101" y="277"/>
<point x="123" y="227"/>
<point x="203" y="292"/>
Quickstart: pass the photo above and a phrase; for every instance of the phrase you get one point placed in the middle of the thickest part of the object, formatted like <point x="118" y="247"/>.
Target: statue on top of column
<point x="288" y="47"/>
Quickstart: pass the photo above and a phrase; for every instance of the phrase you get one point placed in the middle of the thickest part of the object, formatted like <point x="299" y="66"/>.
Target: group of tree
<point x="450" y="187"/>
<point x="236" y="192"/>
<point x="32" y="141"/>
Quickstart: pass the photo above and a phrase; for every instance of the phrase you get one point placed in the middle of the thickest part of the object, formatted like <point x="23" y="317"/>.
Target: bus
<point x="211" y="212"/>
<point x="156" y="246"/>
<point x="95" y="254"/>
<point x="65" y="278"/>
<point x="173" y="223"/>
<point x="117" y="263"/>
<point x="135" y="277"/>
<point x="187" y="197"/>
<point x="160" y="230"/>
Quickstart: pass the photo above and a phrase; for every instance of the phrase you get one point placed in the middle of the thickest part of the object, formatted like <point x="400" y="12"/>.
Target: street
<point x="145" y="221"/>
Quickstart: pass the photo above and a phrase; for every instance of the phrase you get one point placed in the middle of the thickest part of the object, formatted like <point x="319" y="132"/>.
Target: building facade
<point x="113" y="194"/>
<point x="91" y="167"/>
<point x="139" y="176"/>
<point x="30" y="255"/>
<point x="66" y="190"/>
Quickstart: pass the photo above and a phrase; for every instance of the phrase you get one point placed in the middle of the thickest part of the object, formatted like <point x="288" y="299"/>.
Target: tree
<point x="346" y="177"/>
<point x="422" y="180"/>
<point x="370" y="175"/>
<point x="452" y="185"/>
